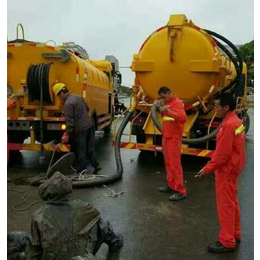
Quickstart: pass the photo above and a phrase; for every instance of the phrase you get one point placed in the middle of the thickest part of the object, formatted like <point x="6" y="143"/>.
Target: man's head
<point x="224" y="104"/>
<point x="60" y="90"/>
<point x="56" y="189"/>
<point x="165" y="94"/>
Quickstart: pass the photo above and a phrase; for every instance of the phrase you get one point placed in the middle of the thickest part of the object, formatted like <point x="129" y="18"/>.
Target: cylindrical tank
<point x="182" y="57"/>
<point x="90" y="80"/>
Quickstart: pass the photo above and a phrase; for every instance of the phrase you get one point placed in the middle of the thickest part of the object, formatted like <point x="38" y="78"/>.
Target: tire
<point x="246" y="121"/>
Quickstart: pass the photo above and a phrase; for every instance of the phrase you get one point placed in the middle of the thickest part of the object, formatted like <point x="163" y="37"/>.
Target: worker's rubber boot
<point x="97" y="168"/>
<point x="108" y="236"/>
<point x="217" y="247"/>
<point x="116" y="243"/>
<point x="89" y="170"/>
<point x="166" y="189"/>
<point x="238" y="240"/>
<point x="177" y="196"/>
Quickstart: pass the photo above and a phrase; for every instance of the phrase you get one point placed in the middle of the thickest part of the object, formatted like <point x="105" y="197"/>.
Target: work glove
<point x="163" y="109"/>
<point x="64" y="138"/>
<point x="11" y="104"/>
<point x="158" y="102"/>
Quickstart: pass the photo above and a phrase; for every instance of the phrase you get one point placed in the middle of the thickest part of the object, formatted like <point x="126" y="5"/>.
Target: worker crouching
<point x="63" y="229"/>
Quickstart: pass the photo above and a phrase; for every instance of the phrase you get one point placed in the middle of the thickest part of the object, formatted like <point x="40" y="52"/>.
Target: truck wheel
<point x="246" y="122"/>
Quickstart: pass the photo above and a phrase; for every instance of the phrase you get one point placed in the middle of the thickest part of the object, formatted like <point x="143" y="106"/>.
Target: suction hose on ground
<point x="119" y="165"/>
<point x="105" y="180"/>
<point x="184" y="140"/>
<point x="38" y="85"/>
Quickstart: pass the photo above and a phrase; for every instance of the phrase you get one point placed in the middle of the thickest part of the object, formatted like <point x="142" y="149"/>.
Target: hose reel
<point x="38" y="76"/>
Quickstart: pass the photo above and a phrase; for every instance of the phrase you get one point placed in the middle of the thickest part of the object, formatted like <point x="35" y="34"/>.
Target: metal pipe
<point x="19" y="24"/>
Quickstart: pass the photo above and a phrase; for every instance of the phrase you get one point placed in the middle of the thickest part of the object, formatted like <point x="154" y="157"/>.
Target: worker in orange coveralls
<point x="227" y="162"/>
<point x="11" y="103"/>
<point x="174" y="118"/>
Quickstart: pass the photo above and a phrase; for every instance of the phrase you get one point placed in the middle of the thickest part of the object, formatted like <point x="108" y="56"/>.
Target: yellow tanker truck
<point x="32" y="70"/>
<point x="196" y="66"/>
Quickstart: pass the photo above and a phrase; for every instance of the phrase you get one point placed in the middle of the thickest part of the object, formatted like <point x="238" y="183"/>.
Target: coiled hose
<point x="38" y="87"/>
<point x="98" y="182"/>
<point x="194" y="141"/>
<point x="37" y="76"/>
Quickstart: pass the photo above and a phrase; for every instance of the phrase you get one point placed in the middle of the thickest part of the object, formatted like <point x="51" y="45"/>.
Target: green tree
<point x="125" y="90"/>
<point x="247" y="52"/>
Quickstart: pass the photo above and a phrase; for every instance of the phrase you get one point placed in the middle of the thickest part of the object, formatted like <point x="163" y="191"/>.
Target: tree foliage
<point x="125" y="90"/>
<point x="247" y="52"/>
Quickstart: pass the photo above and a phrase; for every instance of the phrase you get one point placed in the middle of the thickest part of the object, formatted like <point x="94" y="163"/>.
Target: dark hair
<point x="227" y="99"/>
<point x="64" y="90"/>
<point x="164" y="90"/>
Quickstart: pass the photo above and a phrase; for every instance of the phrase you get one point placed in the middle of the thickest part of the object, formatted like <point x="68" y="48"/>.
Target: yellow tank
<point x="82" y="77"/>
<point x="196" y="64"/>
<point x="182" y="57"/>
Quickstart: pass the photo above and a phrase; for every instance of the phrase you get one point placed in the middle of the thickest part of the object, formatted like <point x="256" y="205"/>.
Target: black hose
<point x="194" y="141"/>
<point x="37" y="76"/>
<point x="41" y="105"/>
<point x="238" y="79"/>
<point x="229" y="54"/>
<point x="119" y="165"/>
<point x="233" y="47"/>
<point x="38" y="86"/>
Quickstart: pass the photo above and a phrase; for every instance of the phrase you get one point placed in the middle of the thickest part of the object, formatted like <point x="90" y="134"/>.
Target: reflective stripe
<point x="239" y="130"/>
<point x="167" y="118"/>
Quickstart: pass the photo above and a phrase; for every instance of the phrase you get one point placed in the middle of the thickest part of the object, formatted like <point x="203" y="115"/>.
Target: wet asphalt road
<point x="153" y="227"/>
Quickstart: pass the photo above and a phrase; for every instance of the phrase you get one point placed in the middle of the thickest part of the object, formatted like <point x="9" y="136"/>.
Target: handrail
<point x="19" y="24"/>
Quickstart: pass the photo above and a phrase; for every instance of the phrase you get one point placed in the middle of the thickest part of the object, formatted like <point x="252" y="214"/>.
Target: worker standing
<point x="227" y="163"/>
<point x="78" y="127"/>
<point x="174" y="118"/>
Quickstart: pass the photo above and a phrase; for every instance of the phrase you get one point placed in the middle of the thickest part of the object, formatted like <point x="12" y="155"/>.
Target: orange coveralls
<point x="173" y="124"/>
<point x="228" y="162"/>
